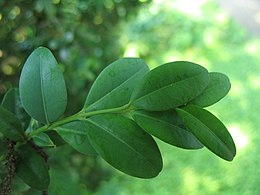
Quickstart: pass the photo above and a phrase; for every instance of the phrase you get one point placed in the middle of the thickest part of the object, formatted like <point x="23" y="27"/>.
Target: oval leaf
<point x="124" y="145"/>
<point x="170" y="85"/>
<point x="209" y="130"/>
<point x="42" y="87"/>
<point x="218" y="88"/>
<point x="32" y="169"/>
<point x="10" y="125"/>
<point x="12" y="102"/>
<point x="75" y="134"/>
<point x="115" y="84"/>
<point x="167" y="127"/>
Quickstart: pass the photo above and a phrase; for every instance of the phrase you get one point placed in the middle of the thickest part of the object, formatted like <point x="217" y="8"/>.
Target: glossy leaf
<point x="218" y="88"/>
<point x="42" y="87"/>
<point x="10" y="125"/>
<point x="32" y="169"/>
<point x="12" y="102"/>
<point x="115" y="84"/>
<point x="170" y="85"/>
<point x="43" y="140"/>
<point x="75" y="134"/>
<point x="168" y="127"/>
<point x="124" y="145"/>
<point x="209" y="130"/>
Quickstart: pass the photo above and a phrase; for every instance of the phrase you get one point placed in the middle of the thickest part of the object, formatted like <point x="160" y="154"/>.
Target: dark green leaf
<point x="168" y="127"/>
<point x="43" y="140"/>
<point x="56" y="138"/>
<point x="12" y="102"/>
<point x="209" y="130"/>
<point x="115" y="84"/>
<point x="32" y="169"/>
<point x="170" y="85"/>
<point x="75" y="134"/>
<point x="124" y="145"/>
<point x="218" y="88"/>
<point x="42" y="87"/>
<point x="10" y="125"/>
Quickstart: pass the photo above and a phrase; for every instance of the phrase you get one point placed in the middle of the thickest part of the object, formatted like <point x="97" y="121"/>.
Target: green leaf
<point x="10" y="125"/>
<point x="42" y="87"/>
<point x="209" y="130"/>
<point x="124" y="145"/>
<point x="43" y="140"/>
<point x="32" y="169"/>
<point x="170" y="85"/>
<point x="75" y="134"/>
<point x="115" y="84"/>
<point x="56" y="138"/>
<point x="12" y="102"/>
<point x="218" y="88"/>
<point x="167" y="127"/>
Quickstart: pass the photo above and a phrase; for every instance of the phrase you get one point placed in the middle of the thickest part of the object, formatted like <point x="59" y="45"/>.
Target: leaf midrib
<point x="168" y="86"/>
<point x="212" y="133"/>
<point x="62" y="129"/>
<point x="42" y="92"/>
<point x="116" y="88"/>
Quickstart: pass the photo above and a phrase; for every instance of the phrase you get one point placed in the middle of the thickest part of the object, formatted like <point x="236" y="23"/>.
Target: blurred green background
<point x="86" y="36"/>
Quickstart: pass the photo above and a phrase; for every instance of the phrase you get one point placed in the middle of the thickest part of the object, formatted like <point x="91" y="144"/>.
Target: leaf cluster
<point x="127" y="107"/>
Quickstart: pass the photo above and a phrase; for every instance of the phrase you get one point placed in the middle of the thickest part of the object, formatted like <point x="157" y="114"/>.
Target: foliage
<point x="113" y="121"/>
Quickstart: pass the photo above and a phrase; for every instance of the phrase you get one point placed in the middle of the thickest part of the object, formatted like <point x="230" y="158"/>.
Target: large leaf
<point x="32" y="169"/>
<point x="168" y="127"/>
<point x="12" y="102"/>
<point x="42" y="87"/>
<point x="10" y="125"/>
<point x="75" y="134"/>
<point x="124" y="145"/>
<point x="170" y="85"/>
<point x="209" y="130"/>
<point x="218" y="88"/>
<point x="115" y="84"/>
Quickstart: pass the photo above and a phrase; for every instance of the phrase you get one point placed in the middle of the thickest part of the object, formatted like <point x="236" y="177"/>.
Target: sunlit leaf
<point x="12" y="102"/>
<point x="168" y="127"/>
<point x="32" y="169"/>
<point x="124" y="145"/>
<point x="115" y="84"/>
<point x="75" y="134"/>
<point x="218" y="88"/>
<point x="170" y="85"/>
<point x="209" y="130"/>
<point x="10" y="125"/>
<point x="42" y="87"/>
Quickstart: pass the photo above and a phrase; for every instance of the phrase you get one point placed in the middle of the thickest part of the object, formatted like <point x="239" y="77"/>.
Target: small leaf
<point x="115" y="84"/>
<point x="75" y="134"/>
<point x="43" y="140"/>
<point x="209" y="130"/>
<point x="12" y="102"/>
<point x="170" y="85"/>
<point x="218" y="88"/>
<point x="168" y="127"/>
<point x="42" y="87"/>
<point x="10" y="125"/>
<point x="124" y="145"/>
<point x="32" y="169"/>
